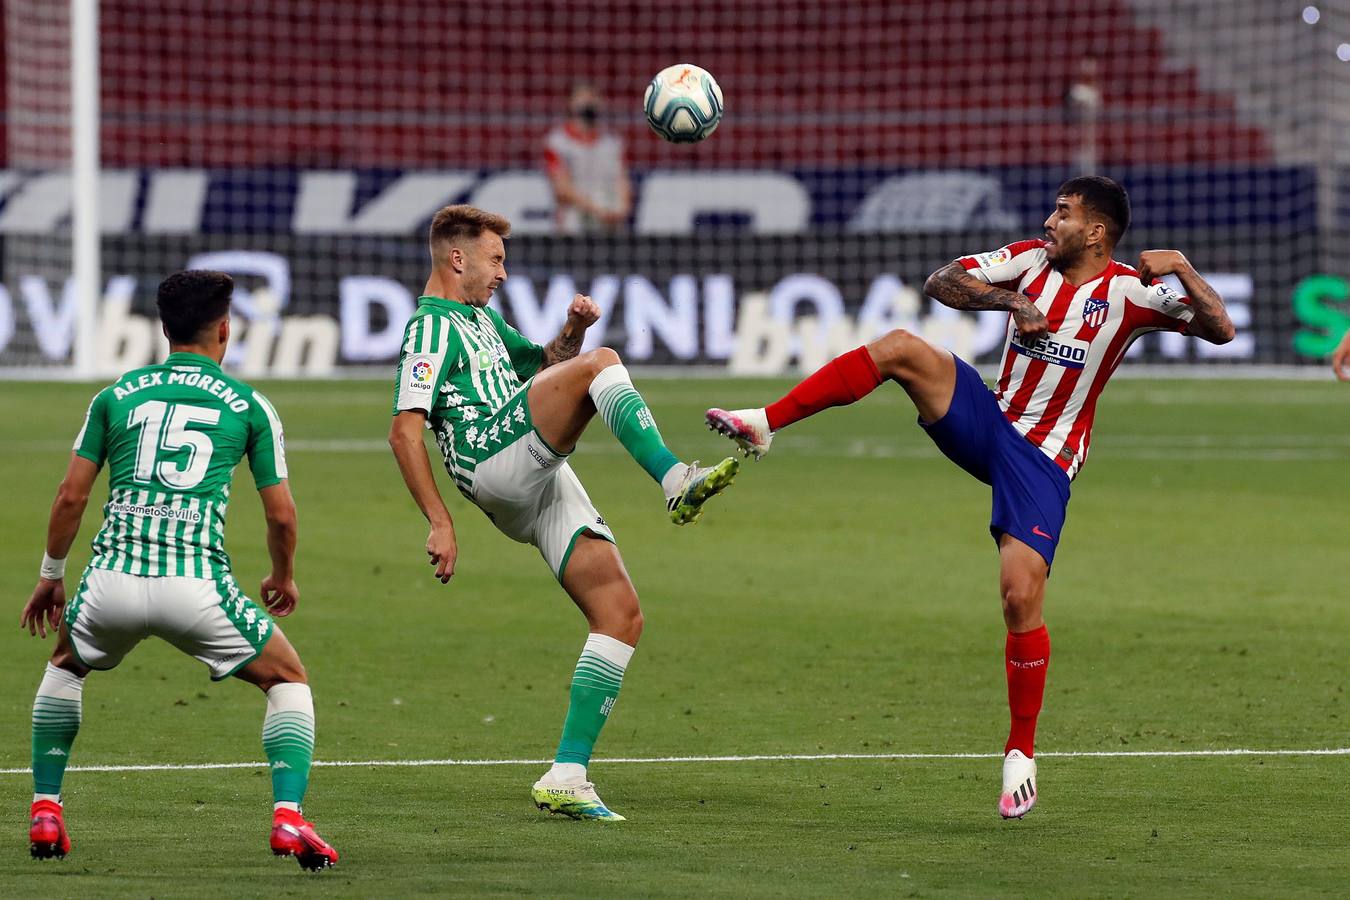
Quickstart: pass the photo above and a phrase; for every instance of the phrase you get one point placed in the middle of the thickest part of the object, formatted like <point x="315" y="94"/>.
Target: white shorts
<point x="208" y="619"/>
<point x="532" y="495"/>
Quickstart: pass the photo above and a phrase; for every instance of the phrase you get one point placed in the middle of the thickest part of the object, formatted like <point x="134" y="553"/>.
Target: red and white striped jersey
<point x="1048" y="386"/>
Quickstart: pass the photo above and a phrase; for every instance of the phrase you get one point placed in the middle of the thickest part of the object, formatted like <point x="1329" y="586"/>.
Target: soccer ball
<point x="683" y="104"/>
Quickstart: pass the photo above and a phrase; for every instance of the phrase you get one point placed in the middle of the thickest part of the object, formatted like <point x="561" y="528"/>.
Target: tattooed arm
<point x="1211" y="322"/>
<point x="953" y="286"/>
<point x="582" y="314"/>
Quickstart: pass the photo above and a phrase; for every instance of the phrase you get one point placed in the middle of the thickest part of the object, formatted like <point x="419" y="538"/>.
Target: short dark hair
<point x="192" y="300"/>
<point x="1104" y="197"/>
<point x="463" y="221"/>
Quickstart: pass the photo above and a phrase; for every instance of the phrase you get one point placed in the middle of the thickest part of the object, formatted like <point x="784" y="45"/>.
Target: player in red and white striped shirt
<point x="1073" y="312"/>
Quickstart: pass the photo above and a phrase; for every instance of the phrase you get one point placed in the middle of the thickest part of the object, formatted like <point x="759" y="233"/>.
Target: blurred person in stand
<point x="586" y="170"/>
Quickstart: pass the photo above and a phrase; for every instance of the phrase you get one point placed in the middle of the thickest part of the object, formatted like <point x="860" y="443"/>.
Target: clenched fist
<point x="584" y="312"/>
<point x="1154" y="264"/>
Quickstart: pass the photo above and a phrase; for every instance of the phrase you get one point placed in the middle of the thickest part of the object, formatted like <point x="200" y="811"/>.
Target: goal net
<point x="303" y="147"/>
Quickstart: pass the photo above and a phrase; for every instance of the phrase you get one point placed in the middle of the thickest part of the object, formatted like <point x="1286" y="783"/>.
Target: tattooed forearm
<point x="1211" y="321"/>
<point x="563" y="347"/>
<point x="952" y="287"/>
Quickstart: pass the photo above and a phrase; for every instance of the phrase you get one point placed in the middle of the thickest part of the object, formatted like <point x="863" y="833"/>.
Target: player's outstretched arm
<point x="44" y="607"/>
<point x="953" y="286"/>
<point x="405" y="439"/>
<point x="581" y="314"/>
<point x="279" y="593"/>
<point x="1340" y="359"/>
<point x="1211" y="321"/>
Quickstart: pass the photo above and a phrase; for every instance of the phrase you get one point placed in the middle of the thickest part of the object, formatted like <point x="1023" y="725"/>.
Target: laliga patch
<point x="996" y="258"/>
<point x="421" y="373"/>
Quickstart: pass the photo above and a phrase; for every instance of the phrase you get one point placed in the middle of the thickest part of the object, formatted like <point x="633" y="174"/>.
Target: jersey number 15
<point x="167" y="427"/>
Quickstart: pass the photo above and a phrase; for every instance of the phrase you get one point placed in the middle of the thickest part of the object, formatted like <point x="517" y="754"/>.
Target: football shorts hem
<point x="572" y="545"/>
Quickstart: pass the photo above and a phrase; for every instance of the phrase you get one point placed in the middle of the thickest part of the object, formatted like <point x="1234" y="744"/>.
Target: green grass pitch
<point x="840" y="599"/>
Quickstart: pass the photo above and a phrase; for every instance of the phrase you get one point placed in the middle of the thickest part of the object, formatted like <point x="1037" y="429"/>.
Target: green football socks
<point x="627" y="415"/>
<point x="288" y="740"/>
<point x="56" y="721"/>
<point x="595" y="687"/>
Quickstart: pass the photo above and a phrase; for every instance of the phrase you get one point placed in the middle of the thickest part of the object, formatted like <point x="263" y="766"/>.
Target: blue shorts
<point x="1031" y="493"/>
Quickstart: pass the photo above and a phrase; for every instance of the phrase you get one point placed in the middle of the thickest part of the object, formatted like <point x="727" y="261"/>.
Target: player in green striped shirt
<point x="506" y="413"/>
<point x="171" y="435"/>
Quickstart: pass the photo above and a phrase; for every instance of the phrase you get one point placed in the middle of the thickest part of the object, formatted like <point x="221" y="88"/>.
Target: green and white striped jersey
<point x="172" y="435"/>
<point x="463" y="365"/>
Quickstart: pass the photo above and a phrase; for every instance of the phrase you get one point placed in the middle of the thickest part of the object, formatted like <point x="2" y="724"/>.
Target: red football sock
<point x="843" y="380"/>
<point x="1026" y="657"/>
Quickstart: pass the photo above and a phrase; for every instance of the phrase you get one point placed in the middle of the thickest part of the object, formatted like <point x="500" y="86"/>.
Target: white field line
<point x="656" y="760"/>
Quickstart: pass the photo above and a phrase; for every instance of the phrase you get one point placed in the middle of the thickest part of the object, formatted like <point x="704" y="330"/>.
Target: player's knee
<point x="892" y="351"/>
<point x="294" y="673"/>
<point x="290" y="671"/>
<point x="64" y="658"/>
<point x="600" y="359"/>
<point x="624" y="622"/>
<point x="628" y="625"/>
<point x="1021" y="602"/>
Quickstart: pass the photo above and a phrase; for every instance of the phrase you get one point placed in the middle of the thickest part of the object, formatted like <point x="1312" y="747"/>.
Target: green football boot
<point x="698" y="486"/>
<point x="576" y="800"/>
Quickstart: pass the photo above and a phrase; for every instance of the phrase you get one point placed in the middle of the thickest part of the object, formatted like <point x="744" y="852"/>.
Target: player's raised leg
<point x="927" y="373"/>
<point x="1022" y="577"/>
<point x="563" y="399"/>
<point x="596" y="580"/>
<point x="57" y="711"/>
<point x="288" y="741"/>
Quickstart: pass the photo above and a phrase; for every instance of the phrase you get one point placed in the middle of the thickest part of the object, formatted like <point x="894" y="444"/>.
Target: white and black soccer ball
<point x="683" y="104"/>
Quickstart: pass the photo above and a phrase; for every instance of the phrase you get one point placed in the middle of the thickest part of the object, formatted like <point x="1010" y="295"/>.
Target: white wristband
<point x="53" y="569"/>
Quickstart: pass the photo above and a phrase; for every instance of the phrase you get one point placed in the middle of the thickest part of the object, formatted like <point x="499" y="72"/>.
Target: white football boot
<point x="749" y="428"/>
<point x="1019" y="786"/>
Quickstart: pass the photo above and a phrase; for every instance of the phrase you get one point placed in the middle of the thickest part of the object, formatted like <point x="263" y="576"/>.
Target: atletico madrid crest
<point x="1095" y="312"/>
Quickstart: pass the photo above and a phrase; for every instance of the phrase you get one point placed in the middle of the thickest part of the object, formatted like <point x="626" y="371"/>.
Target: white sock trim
<point x="609" y="649"/>
<point x="57" y="682"/>
<point x="290" y="697"/>
<point x="608" y="377"/>
<point x="562" y="773"/>
<point x="674" y="477"/>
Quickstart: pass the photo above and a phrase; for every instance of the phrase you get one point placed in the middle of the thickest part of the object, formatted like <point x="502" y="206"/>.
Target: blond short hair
<point x="452" y="223"/>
